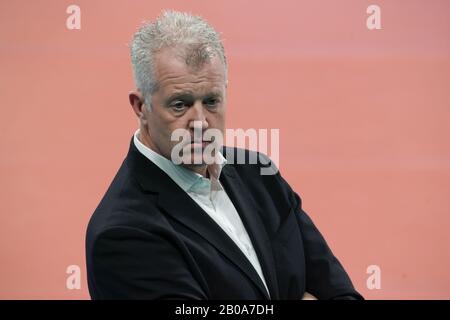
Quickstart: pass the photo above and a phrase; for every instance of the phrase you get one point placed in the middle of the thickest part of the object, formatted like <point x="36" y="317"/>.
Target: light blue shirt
<point x="210" y="196"/>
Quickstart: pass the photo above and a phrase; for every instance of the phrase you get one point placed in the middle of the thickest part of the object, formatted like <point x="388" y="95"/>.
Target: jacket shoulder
<point x="246" y="160"/>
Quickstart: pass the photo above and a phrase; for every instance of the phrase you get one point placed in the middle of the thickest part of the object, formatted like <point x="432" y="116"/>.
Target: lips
<point x="200" y="143"/>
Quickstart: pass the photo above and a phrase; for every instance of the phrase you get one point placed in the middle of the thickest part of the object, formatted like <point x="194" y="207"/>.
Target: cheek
<point x="217" y="120"/>
<point x="158" y="130"/>
<point x="169" y="127"/>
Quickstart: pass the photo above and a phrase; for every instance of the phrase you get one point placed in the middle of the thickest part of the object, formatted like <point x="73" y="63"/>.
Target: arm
<point x="129" y="263"/>
<point x="325" y="276"/>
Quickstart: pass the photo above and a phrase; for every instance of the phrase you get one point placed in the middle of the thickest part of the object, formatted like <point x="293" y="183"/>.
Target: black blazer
<point x="148" y="239"/>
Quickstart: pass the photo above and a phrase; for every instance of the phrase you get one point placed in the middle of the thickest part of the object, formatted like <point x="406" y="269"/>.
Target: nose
<point x="197" y="117"/>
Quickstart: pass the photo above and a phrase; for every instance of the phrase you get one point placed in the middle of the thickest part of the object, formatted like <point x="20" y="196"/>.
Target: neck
<point x="200" y="169"/>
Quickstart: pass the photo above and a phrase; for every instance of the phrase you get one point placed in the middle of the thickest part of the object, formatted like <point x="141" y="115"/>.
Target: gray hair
<point x="196" y="40"/>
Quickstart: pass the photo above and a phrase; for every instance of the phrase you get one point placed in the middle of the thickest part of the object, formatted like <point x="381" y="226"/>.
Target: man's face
<point x="184" y="94"/>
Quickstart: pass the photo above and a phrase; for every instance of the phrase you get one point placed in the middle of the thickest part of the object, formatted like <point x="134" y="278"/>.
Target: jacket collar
<point x="182" y="176"/>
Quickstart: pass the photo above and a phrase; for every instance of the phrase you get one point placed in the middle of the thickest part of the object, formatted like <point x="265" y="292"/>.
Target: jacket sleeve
<point x="325" y="276"/>
<point x="130" y="263"/>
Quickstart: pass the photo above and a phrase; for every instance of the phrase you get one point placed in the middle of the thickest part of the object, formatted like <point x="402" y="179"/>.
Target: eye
<point x="178" y="105"/>
<point x="212" y="102"/>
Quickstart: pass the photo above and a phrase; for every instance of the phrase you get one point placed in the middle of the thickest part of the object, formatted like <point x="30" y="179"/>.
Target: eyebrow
<point x="179" y="96"/>
<point x="188" y="95"/>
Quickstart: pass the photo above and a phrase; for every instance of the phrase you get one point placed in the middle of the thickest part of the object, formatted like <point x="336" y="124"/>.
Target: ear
<point x="137" y="103"/>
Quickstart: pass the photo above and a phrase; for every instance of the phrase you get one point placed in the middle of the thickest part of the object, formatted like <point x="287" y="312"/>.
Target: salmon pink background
<point x="363" y="117"/>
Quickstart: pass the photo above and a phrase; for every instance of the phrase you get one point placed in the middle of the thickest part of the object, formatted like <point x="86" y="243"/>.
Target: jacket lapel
<point x="182" y="208"/>
<point x="249" y="212"/>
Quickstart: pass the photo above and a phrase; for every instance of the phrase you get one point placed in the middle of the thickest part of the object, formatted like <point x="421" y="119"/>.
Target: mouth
<point x="200" y="144"/>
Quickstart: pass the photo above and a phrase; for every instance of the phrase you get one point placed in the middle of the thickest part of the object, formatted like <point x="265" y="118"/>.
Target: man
<point x="199" y="229"/>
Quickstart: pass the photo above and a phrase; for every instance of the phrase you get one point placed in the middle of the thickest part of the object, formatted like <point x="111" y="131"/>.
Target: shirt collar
<point x="182" y="176"/>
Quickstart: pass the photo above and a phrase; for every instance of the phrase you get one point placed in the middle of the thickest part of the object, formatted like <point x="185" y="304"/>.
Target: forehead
<point x="173" y="74"/>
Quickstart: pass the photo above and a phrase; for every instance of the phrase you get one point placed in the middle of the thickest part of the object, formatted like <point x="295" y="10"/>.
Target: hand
<point x="308" y="296"/>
